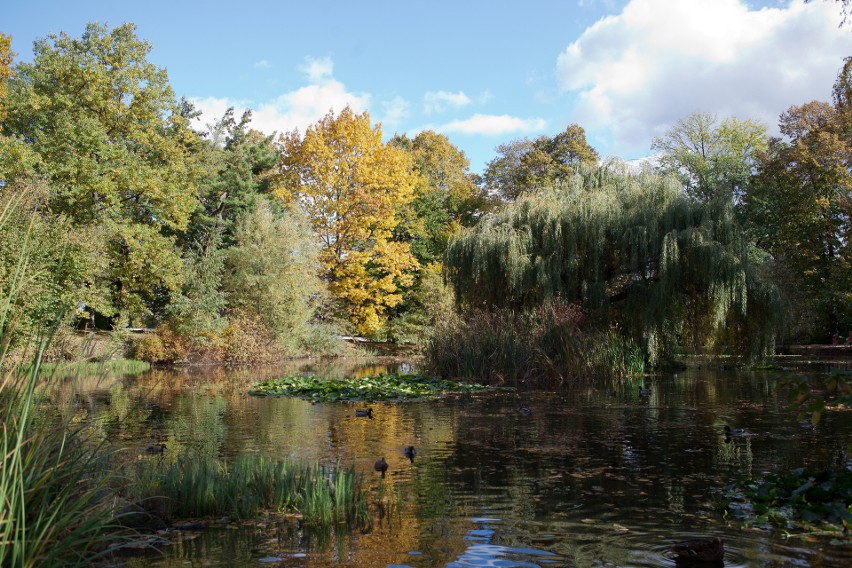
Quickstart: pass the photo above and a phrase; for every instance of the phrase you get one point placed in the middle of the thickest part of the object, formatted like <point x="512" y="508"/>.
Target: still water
<point x="588" y="477"/>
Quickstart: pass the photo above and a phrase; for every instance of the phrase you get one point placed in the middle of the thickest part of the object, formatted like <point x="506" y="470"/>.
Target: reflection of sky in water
<point x="481" y="553"/>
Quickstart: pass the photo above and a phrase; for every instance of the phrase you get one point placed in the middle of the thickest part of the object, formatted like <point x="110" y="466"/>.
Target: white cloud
<point x="439" y="101"/>
<point x="492" y="124"/>
<point x="395" y="111"/>
<point x="262" y="64"/>
<point x="636" y="73"/>
<point x="295" y="109"/>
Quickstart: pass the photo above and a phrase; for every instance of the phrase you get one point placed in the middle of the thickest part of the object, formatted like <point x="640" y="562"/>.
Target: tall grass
<point x="548" y="345"/>
<point x="195" y="486"/>
<point x="56" y="508"/>
<point x="77" y="368"/>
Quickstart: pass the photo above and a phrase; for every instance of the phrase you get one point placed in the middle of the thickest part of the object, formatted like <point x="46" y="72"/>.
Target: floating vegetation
<point x="394" y="386"/>
<point x="797" y="501"/>
<point x="197" y="487"/>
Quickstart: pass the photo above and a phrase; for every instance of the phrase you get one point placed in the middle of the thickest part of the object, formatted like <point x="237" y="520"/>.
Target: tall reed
<point x="548" y="345"/>
<point x="197" y="486"/>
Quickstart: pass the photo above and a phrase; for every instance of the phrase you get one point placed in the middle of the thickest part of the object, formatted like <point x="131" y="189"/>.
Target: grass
<point x="393" y="386"/>
<point x="199" y="487"/>
<point x="76" y="368"/>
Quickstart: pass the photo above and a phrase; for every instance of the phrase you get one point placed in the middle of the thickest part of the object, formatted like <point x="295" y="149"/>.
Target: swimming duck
<point x="644" y="391"/>
<point x="382" y="466"/>
<point x="155" y="449"/>
<point x="368" y="412"/>
<point x="700" y="550"/>
<point x="524" y="410"/>
<point x="735" y="432"/>
<point x="410" y="452"/>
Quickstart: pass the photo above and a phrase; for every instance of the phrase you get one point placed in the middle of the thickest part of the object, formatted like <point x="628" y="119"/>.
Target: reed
<point x="548" y="345"/>
<point x="77" y="368"/>
<point x="195" y="486"/>
<point x="57" y="507"/>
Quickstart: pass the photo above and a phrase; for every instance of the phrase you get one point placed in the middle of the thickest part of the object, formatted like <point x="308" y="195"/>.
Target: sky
<point x="481" y="72"/>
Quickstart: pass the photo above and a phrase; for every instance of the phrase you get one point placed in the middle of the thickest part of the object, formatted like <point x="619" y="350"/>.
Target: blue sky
<point x="483" y="73"/>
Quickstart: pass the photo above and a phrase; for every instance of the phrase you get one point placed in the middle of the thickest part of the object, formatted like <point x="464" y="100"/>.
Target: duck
<point x="735" y="432"/>
<point x="644" y="391"/>
<point x="700" y="550"/>
<point x="410" y="452"/>
<point x="524" y="410"/>
<point x="155" y="449"/>
<point x="382" y="466"/>
<point x="365" y="412"/>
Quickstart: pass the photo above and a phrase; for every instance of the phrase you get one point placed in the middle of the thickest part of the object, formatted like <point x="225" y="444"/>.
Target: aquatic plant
<point x="800" y="500"/>
<point x="548" y="344"/>
<point x="393" y="386"/>
<point x="195" y="486"/>
<point x="76" y="368"/>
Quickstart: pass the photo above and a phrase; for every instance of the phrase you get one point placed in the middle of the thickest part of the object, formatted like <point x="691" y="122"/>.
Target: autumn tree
<point x="799" y="210"/>
<point x="523" y="165"/>
<point x="118" y="155"/>
<point x="352" y="186"/>
<point x="711" y="158"/>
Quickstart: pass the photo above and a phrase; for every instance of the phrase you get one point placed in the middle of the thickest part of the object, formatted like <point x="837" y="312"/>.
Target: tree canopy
<point x="630" y="249"/>
<point x="116" y="151"/>
<point x="352" y="187"/>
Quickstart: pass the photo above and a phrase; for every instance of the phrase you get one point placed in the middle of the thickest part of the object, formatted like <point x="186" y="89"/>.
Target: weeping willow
<point x="633" y="251"/>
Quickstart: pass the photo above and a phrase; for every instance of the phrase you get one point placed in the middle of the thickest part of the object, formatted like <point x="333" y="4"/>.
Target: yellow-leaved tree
<point x="352" y="187"/>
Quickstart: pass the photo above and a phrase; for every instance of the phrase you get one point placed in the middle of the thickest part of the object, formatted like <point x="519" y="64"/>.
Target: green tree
<point x="711" y="158"/>
<point x="630" y="249"/>
<point x="352" y="187"/>
<point x="524" y="165"/>
<point x="799" y="210"/>
<point x="117" y="151"/>
<point x="235" y="159"/>
<point x="272" y="272"/>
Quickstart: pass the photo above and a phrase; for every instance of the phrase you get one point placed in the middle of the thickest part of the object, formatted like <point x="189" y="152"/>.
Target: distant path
<point x="817" y="351"/>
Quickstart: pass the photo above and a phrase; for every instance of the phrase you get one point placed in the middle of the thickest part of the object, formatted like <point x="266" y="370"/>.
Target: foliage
<point x="800" y="205"/>
<point x="116" y="152"/>
<point x="446" y="196"/>
<point x="633" y="252"/>
<point x="429" y="302"/>
<point x="6" y="57"/>
<point x="394" y="386"/>
<point x="834" y="392"/>
<point x="235" y="160"/>
<point x="352" y="186"/>
<point x="164" y="345"/>
<point x="193" y="486"/>
<point x="80" y="368"/>
<point x="524" y="165"/>
<point x="799" y="500"/>
<point x="711" y="159"/>
<point x="549" y="344"/>
<point x="196" y="310"/>
<point x="271" y="272"/>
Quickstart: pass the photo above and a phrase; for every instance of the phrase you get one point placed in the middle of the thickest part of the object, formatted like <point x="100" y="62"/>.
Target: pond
<point x="582" y="477"/>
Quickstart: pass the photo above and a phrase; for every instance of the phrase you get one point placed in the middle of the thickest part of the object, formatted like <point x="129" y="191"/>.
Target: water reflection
<point x="586" y="477"/>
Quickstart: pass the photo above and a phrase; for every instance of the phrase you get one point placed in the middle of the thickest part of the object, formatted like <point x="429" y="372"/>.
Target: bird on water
<point x="382" y="466"/>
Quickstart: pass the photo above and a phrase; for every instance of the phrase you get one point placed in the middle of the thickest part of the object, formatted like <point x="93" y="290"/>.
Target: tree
<point x="352" y="187"/>
<point x="272" y="271"/>
<point x="711" y="159"/>
<point x="800" y="205"/>
<point x="446" y="195"/>
<point x="6" y="58"/>
<point x="234" y="159"/>
<point x="632" y="251"/>
<point x="117" y="151"/>
<point x="524" y="165"/>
